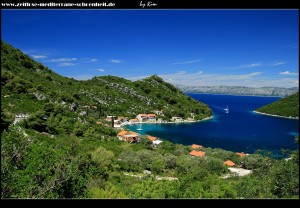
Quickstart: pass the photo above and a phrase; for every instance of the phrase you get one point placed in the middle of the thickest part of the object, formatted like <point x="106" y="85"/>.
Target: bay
<point x="239" y="130"/>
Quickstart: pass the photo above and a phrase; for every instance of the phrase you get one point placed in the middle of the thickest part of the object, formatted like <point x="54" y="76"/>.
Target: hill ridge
<point x="34" y="86"/>
<point x="287" y="107"/>
<point x="239" y="90"/>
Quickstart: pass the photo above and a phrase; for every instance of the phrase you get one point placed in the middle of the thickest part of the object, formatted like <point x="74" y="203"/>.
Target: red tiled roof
<point x="121" y="133"/>
<point x="124" y="132"/>
<point x="131" y="133"/>
<point x="196" y="146"/>
<point x="229" y="163"/>
<point x="153" y="115"/>
<point x="241" y="154"/>
<point x="151" y="138"/>
<point x="197" y="153"/>
<point x="143" y="114"/>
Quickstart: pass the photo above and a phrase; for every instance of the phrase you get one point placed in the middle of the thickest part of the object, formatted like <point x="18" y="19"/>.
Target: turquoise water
<point x="239" y="130"/>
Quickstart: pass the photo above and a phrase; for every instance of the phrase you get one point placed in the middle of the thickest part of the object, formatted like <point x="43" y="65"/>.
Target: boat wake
<point x="226" y="110"/>
<point x="140" y="128"/>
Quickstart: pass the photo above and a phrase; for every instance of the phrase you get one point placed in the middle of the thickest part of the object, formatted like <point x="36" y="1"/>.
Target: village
<point x="197" y="150"/>
<point x="124" y="135"/>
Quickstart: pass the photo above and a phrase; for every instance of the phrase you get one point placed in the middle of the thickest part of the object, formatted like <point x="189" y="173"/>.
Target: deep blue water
<point x="240" y="130"/>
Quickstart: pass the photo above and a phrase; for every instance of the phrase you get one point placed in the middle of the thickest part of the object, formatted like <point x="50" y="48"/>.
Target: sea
<point x="239" y="130"/>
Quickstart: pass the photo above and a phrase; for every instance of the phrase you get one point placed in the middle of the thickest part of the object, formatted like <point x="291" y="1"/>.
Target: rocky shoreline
<point x="290" y="117"/>
<point x="165" y="122"/>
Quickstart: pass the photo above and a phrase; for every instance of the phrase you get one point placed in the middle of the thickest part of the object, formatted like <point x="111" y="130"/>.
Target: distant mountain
<point x="287" y="107"/>
<point x="239" y="90"/>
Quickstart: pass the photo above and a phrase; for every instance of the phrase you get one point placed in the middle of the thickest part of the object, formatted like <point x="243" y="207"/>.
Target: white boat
<point x="226" y="109"/>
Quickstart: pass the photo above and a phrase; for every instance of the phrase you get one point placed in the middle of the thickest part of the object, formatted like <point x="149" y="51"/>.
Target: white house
<point x="151" y="117"/>
<point x="142" y="117"/>
<point x="128" y="136"/>
<point x="146" y="117"/>
<point x="176" y="119"/>
<point x="156" y="142"/>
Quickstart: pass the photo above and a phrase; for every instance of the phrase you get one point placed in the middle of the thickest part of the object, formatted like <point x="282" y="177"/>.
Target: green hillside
<point x="58" y="151"/>
<point x="287" y="107"/>
<point x="34" y="86"/>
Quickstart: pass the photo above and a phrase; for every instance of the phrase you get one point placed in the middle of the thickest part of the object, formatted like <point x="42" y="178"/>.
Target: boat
<point x="226" y="109"/>
<point x="140" y="128"/>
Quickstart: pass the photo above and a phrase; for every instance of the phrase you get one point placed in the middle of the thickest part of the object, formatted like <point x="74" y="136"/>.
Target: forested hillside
<point x="28" y="86"/>
<point x="287" y="107"/>
<point x="58" y="151"/>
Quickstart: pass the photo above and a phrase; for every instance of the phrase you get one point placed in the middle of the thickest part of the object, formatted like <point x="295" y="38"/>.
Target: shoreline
<point x="266" y="114"/>
<point x="275" y="154"/>
<point x="166" y="122"/>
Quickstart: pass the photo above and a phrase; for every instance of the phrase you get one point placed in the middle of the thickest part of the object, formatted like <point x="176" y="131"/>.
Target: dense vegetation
<point x="39" y="166"/>
<point x="59" y="152"/>
<point x="28" y="86"/>
<point x="287" y="107"/>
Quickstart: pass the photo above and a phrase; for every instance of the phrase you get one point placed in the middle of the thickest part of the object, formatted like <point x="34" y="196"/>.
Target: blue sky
<point x="253" y="48"/>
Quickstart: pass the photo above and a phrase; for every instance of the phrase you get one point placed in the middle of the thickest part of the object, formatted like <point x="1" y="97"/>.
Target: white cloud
<point x="69" y="61"/>
<point x="188" y="62"/>
<point x="278" y="63"/>
<point x="252" y="65"/>
<point x="66" y="64"/>
<point x="101" y="70"/>
<point x="138" y="77"/>
<point x="89" y="60"/>
<point x="284" y="82"/>
<point x="115" y="61"/>
<point x="83" y="77"/>
<point x="181" y="75"/>
<point x="237" y="77"/>
<point x="202" y="78"/>
<point x="246" y="66"/>
<point x="287" y="73"/>
<point x="92" y="60"/>
<point x="62" y="60"/>
<point x="39" y="56"/>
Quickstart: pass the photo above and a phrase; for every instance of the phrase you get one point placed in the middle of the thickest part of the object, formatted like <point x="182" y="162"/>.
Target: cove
<point x="238" y="130"/>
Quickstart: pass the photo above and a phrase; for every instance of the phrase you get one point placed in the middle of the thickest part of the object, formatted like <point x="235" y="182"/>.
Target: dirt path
<point x="237" y="172"/>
